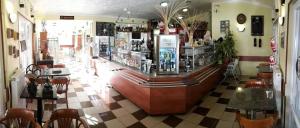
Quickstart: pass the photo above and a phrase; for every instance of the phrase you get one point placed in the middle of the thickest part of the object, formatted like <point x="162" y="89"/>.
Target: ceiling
<point x="138" y="8"/>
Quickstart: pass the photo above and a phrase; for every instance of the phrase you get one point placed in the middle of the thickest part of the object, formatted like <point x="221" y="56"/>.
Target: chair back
<point x="61" y="84"/>
<point x="261" y="123"/>
<point x="256" y="84"/>
<point x="33" y="69"/>
<point x="19" y="118"/>
<point x="66" y="118"/>
<point x="266" y="77"/>
<point x="59" y="66"/>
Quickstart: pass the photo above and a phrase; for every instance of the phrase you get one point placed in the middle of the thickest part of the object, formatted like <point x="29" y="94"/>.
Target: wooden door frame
<point x="2" y="56"/>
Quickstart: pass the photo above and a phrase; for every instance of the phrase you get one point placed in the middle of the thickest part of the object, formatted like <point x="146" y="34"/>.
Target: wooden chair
<point x="66" y="118"/>
<point x="266" y="77"/>
<point x="33" y="69"/>
<point x="256" y="84"/>
<point x="61" y="85"/>
<point x="59" y="66"/>
<point x="261" y="123"/>
<point x="19" y="118"/>
<point x="264" y="64"/>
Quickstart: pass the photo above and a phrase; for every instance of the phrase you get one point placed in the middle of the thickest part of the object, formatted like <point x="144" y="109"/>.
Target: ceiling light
<point x="164" y="4"/>
<point x="185" y="10"/>
<point x="180" y="17"/>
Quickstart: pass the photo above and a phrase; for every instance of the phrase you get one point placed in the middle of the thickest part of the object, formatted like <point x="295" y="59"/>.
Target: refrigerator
<point x="167" y="54"/>
<point x="104" y="46"/>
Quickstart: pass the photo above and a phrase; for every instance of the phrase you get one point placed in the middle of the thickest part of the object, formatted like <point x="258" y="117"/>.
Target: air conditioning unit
<point x="277" y="83"/>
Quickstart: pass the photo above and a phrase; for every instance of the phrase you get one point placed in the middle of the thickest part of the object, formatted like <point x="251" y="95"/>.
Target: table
<point x="264" y="68"/>
<point x="48" y="72"/>
<point x="39" y="96"/>
<point x="253" y="99"/>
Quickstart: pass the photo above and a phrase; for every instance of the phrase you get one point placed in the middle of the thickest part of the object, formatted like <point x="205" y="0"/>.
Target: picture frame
<point x="224" y="26"/>
<point x="23" y="45"/>
<point x="14" y="50"/>
<point x="10" y="50"/>
<point x="9" y="33"/>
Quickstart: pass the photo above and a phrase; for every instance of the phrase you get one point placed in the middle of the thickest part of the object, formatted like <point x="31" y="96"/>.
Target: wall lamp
<point x="282" y="2"/>
<point x="164" y="4"/>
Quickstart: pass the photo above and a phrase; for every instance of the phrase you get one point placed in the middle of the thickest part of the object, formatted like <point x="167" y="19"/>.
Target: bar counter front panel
<point x="161" y="94"/>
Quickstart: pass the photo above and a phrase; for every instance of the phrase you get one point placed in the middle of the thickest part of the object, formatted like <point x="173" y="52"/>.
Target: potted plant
<point x="225" y="49"/>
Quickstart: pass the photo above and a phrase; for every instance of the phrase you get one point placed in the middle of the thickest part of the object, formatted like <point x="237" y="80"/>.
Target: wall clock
<point x="241" y="18"/>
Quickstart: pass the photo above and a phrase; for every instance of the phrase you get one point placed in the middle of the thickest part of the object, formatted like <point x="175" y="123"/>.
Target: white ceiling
<point x="138" y="8"/>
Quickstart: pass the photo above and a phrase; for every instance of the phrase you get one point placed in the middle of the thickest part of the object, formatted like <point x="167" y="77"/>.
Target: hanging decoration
<point x="169" y="12"/>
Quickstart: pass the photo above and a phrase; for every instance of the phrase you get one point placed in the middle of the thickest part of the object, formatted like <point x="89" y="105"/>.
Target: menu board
<point x="168" y="54"/>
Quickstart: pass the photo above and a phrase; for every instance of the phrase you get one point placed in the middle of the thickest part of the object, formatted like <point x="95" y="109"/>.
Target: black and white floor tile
<point x="103" y="107"/>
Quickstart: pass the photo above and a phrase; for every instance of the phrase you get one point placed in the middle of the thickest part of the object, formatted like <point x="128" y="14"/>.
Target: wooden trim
<point x="254" y="58"/>
<point x="67" y="46"/>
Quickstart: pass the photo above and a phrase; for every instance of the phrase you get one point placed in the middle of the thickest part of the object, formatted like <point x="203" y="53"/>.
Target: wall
<point x="243" y="40"/>
<point x="2" y="83"/>
<point x="94" y="19"/>
<point x="11" y="64"/>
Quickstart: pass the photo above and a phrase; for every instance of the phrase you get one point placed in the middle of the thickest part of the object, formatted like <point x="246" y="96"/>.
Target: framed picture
<point x="17" y="53"/>
<point x="23" y="45"/>
<point x="10" y="50"/>
<point x="282" y="38"/>
<point x="10" y="33"/>
<point x="14" y="50"/>
<point x="224" y="26"/>
<point x="15" y="35"/>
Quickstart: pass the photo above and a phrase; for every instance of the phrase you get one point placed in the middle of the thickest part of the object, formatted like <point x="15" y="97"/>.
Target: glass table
<point x="48" y="72"/>
<point x="253" y="99"/>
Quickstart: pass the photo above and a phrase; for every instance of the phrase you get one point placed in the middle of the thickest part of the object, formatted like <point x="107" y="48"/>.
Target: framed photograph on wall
<point x="224" y="25"/>
<point x="10" y="50"/>
<point x="23" y="45"/>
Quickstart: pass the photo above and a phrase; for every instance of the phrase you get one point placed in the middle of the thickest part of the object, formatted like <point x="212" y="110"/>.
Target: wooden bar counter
<point x="161" y="94"/>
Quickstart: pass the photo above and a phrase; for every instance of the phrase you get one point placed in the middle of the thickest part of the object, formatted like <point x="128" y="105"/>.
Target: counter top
<point x="158" y="80"/>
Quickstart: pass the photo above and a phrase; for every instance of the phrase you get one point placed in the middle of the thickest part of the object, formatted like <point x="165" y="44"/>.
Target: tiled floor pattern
<point x="103" y="107"/>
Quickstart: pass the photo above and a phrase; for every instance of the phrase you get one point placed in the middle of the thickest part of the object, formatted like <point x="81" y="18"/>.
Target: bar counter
<point x="161" y="94"/>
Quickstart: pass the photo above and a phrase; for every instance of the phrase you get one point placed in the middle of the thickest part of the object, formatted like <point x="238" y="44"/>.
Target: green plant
<point x="225" y="48"/>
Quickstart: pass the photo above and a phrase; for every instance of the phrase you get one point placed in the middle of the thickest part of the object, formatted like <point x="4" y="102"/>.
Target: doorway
<point x="293" y="78"/>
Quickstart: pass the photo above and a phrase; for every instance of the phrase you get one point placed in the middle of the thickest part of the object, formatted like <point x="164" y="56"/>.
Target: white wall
<point x="243" y="40"/>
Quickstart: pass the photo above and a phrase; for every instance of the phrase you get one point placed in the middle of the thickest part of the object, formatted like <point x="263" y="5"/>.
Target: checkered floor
<point x="103" y="107"/>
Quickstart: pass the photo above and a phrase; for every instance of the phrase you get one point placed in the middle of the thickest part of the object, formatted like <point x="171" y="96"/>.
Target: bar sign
<point x="67" y="17"/>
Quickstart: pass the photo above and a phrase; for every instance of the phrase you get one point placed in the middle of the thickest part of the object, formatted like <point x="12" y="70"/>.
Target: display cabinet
<point x="167" y="54"/>
<point x="198" y="56"/>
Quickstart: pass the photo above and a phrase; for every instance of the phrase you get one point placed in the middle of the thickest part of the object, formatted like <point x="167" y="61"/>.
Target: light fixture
<point x="180" y="17"/>
<point x="240" y="27"/>
<point x="164" y="4"/>
<point x="185" y="10"/>
<point x="281" y="20"/>
<point x="282" y="2"/>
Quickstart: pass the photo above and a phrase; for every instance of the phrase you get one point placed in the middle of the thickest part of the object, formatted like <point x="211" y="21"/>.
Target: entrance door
<point x="293" y="91"/>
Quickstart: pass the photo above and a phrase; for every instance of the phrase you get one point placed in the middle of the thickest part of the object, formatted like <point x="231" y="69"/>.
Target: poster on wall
<point x="224" y="26"/>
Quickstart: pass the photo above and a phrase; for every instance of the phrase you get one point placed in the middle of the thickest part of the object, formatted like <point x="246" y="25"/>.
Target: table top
<point x="253" y="99"/>
<point x="265" y="68"/>
<point x="55" y="72"/>
<point x="39" y="94"/>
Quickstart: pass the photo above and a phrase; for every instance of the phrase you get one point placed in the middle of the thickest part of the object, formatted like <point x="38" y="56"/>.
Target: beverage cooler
<point x="105" y="43"/>
<point x="167" y="54"/>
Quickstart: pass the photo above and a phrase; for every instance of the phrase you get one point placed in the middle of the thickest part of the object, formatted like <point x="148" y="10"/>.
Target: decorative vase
<point x="166" y="30"/>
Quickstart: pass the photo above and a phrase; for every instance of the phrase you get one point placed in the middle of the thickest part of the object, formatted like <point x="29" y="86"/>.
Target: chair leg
<point x="67" y="100"/>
